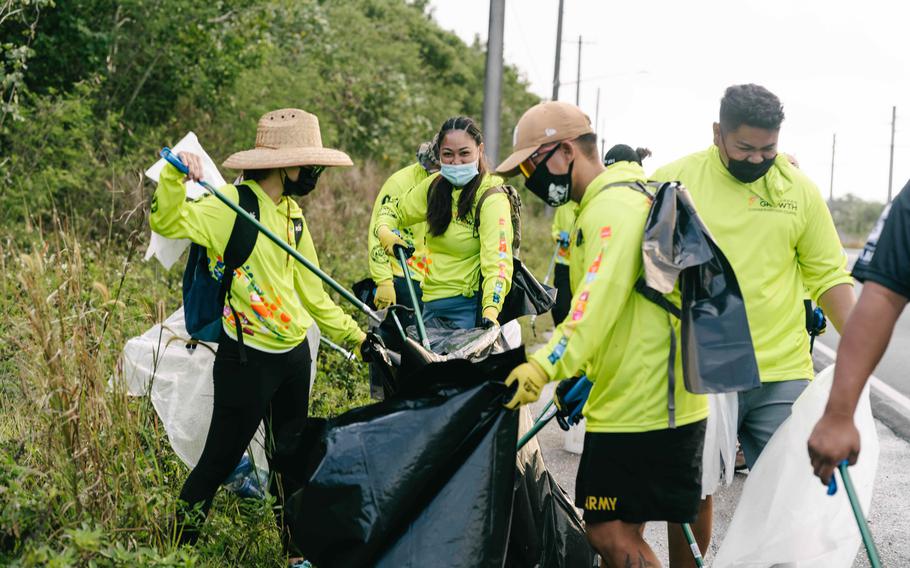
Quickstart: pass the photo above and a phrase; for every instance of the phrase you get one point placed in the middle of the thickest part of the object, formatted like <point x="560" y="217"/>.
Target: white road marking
<point x="882" y="387"/>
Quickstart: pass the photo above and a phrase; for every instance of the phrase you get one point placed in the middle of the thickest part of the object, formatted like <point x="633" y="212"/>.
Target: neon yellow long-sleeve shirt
<point x="275" y="298"/>
<point x="615" y="335"/>
<point x="381" y="267"/>
<point x="458" y="257"/>
<point x="780" y="240"/>
<point x="563" y="223"/>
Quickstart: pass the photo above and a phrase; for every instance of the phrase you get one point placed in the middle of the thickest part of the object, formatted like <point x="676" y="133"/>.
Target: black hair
<point x="439" y="197"/>
<point x="752" y="105"/>
<point x="587" y="144"/>
<point x="625" y="153"/>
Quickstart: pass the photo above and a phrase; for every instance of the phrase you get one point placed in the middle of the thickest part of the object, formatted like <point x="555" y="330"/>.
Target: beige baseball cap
<point x="541" y="124"/>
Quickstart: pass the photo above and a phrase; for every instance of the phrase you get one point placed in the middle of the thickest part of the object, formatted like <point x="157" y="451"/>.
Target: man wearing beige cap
<point x="644" y="439"/>
<point x="262" y="366"/>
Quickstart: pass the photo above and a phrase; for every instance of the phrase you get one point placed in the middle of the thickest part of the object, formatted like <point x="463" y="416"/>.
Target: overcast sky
<point x="662" y="66"/>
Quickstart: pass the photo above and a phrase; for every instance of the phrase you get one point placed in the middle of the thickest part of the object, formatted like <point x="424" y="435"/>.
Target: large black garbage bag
<point x="546" y="529"/>
<point x="412" y="481"/>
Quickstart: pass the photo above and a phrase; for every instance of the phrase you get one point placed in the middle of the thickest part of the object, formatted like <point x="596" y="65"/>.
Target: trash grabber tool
<point x="175" y="161"/>
<point x="865" y="533"/>
<point x="347" y="354"/>
<point x="546" y="280"/>
<point x="576" y="392"/>
<point x="693" y="546"/>
<point x="403" y="255"/>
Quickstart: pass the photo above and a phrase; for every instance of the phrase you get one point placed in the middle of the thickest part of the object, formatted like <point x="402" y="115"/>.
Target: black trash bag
<point x="410" y="480"/>
<point x="527" y="296"/>
<point x="546" y="529"/>
<point x="717" y="351"/>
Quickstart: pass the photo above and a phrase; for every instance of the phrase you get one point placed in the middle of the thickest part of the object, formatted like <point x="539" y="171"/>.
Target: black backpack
<point x="717" y="351"/>
<point x="204" y="295"/>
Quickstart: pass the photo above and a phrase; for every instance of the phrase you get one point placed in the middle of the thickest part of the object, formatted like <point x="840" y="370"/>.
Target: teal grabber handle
<point x="865" y="533"/>
<point x="172" y="159"/>
<point x="418" y="315"/>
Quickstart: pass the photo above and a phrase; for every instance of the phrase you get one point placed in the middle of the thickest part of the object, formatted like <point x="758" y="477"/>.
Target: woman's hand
<point x="193" y="164"/>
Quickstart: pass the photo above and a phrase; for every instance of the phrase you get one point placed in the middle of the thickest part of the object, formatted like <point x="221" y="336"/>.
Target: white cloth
<point x="719" y="457"/>
<point x="784" y="516"/>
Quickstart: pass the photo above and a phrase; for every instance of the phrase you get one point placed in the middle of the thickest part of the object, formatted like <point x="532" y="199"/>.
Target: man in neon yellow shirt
<point x="563" y="222"/>
<point x="772" y="224"/>
<point x="642" y="453"/>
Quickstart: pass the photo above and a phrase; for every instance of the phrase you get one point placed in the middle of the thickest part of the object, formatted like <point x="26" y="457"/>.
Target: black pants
<point x="563" y="293"/>
<point x="270" y="386"/>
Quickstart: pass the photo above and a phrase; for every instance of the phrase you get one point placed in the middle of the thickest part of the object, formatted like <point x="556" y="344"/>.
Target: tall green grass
<point x="87" y="476"/>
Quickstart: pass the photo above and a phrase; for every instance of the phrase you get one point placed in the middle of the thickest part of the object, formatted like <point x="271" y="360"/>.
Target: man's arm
<point x="837" y="302"/>
<point x="865" y="338"/>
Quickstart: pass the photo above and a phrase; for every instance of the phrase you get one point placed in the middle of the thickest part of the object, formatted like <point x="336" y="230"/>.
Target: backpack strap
<point x="486" y="194"/>
<point x="239" y="248"/>
<point x="298" y="231"/>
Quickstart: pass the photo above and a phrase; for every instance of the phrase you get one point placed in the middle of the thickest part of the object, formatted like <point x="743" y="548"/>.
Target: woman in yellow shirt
<point x="469" y="268"/>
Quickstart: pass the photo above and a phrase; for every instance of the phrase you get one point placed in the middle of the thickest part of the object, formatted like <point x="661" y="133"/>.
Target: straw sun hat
<point x="285" y="138"/>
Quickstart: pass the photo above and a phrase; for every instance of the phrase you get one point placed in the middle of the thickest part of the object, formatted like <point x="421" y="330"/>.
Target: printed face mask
<point x="306" y="181"/>
<point x="554" y="189"/>
<point x="459" y="174"/>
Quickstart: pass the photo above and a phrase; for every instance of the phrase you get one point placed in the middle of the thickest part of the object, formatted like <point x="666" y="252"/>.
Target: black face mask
<point x="306" y="180"/>
<point x="554" y="189"/>
<point x="744" y="170"/>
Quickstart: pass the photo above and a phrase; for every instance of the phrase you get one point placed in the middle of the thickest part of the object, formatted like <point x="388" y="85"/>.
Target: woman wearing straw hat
<point x="469" y="265"/>
<point x="263" y="362"/>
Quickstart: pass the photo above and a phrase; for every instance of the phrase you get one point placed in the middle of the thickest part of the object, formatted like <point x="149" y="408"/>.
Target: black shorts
<point x="641" y="476"/>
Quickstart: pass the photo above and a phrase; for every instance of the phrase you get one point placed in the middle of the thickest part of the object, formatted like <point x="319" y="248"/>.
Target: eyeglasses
<point x="528" y="166"/>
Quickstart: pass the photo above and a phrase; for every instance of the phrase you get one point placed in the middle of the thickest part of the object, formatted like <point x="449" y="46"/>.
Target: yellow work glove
<point x="385" y="294"/>
<point x="531" y="378"/>
<point x="358" y="351"/>
<point x="491" y="314"/>
<point x="388" y="239"/>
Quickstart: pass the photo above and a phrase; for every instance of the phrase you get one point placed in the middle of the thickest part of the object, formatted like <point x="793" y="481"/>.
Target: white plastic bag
<point x="785" y="516"/>
<point x="168" y="251"/>
<point x="179" y="383"/>
<point x="574" y="438"/>
<point x="719" y="457"/>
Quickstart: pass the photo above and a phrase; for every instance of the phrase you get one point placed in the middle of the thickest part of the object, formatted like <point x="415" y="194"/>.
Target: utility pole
<point x="578" y="78"/>
<point x="555" y="96"/>
<point x="493" y="83"/>
<point x="891" y="164"/>
<point x="831" y="188"/>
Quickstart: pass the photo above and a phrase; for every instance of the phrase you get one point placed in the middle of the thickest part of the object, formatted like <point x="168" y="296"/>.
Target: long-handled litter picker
<point x="865" y="533"/>
<point x="175" y="161"/>
<point x="403" y="255"/>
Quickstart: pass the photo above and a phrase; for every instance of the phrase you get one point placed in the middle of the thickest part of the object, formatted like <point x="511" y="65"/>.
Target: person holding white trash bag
<point x="261" y="370"/>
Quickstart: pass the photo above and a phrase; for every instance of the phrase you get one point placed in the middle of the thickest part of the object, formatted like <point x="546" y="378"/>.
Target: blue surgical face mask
<point x="459" y="175"/>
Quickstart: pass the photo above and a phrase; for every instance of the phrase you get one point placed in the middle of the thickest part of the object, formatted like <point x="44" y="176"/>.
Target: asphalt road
<point x="889" y="520"/>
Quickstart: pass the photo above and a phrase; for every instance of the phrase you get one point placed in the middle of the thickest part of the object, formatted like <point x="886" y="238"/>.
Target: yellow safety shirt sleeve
<point x="822" y="261"/>
<point x="381" y="266"/>
<point x="496" y="249"/>
<point x="331" y="319"/>
<point x="612" y="251"/>
<point x="409" y="209"/>
<point x="205" y="221"/>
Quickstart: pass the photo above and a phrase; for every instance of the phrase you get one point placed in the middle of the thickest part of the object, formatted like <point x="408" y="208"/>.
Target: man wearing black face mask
<point x="640" y="462"/>
<point x="775" y="229"/>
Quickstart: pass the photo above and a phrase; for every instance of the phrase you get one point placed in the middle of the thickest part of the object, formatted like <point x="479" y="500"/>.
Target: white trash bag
<point x="166" y="250"/>
<point x="179" y="382"/>
<point x="719" y="456"/>
<point x="784" y="516"/>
